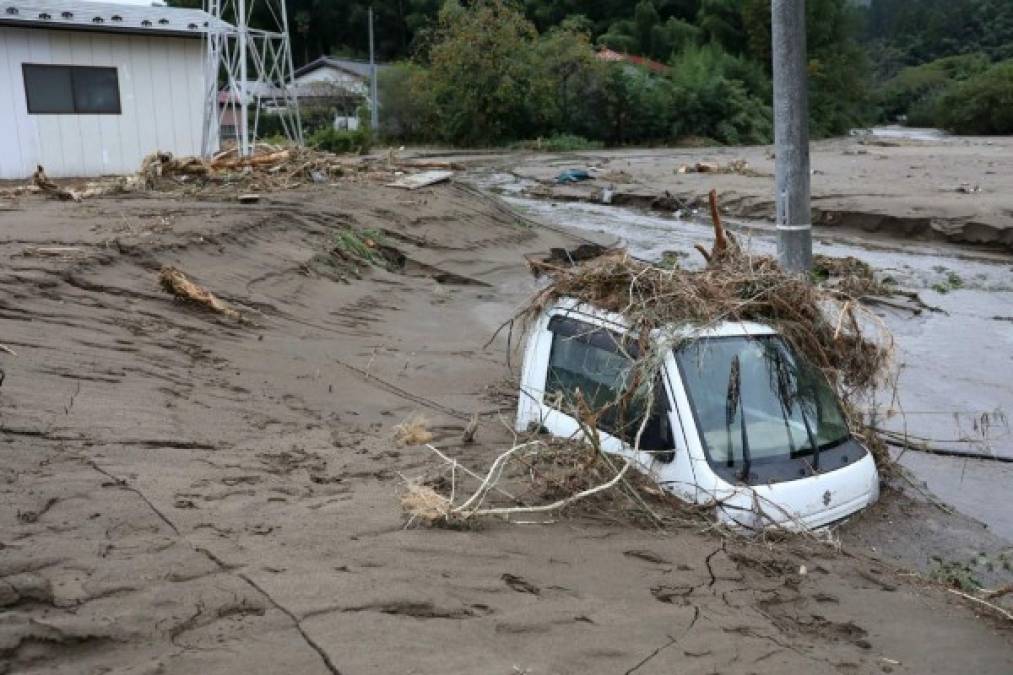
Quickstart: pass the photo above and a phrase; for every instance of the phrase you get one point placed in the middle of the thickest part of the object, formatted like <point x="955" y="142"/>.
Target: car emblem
<point x="826" y="498"/>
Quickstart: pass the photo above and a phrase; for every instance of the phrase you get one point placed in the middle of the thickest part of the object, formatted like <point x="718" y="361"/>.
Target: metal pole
<point x="244" y="137"/>
<point x="791" y="135"/>
<point x="374" y="111"/>
<point x="288" y="79"/>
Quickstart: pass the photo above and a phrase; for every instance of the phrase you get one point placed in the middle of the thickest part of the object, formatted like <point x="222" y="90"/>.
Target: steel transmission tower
<point x="247" y="69"/>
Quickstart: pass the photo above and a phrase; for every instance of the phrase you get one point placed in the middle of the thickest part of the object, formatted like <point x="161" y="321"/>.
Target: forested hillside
<point x="943" y="63"/>
<point x="496" y="71"/>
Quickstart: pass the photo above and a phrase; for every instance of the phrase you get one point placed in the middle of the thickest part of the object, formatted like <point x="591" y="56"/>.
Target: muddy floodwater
<point x="955" y="365"/>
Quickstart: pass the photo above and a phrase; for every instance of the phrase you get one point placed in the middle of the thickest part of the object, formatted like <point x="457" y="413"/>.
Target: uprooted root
<point x="545" y="477"/>
<point x="175" y="282"/>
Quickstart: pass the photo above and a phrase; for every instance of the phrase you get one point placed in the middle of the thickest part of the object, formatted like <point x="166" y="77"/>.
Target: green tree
<point x="482" y="79"/>
<point x="721" y="21"/>
<point x="982" y="104"/>
<point x="720" y="96"/>
<point x="645" y="20"/>
<point x="404" y="105"/>
<point x="568" y="69"/>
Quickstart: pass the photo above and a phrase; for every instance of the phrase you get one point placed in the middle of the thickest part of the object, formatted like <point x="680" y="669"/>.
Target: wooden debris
<point x="254" y="160"/>
<point x="51" y="251"/>
<point x="420" y="180"/>
<point x="249" y="198"/>
<point x="738" y="166"/>
<point x="175" y="282"/>
<point x="469" y="431"/>
<point x="723" y="243"/>
<point x="41" y="180"/>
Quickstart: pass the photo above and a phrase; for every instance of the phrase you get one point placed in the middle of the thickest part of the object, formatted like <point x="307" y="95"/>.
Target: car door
<point x="587" y="373"/>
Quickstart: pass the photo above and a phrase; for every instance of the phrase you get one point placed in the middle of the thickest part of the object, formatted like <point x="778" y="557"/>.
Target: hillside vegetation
<point x="479" y="72"/>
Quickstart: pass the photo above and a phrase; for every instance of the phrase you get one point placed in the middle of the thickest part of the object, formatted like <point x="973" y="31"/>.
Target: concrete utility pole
<point x="374" y="112"/>
<point x="791" y="136"/>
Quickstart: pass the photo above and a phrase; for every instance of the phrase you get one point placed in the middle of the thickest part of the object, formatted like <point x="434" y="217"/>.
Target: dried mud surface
<point x="183" y="493"/>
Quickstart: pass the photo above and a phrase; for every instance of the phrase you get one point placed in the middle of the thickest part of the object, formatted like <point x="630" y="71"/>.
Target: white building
<point x="341" y="83"/>
<point x="89" y="88"/>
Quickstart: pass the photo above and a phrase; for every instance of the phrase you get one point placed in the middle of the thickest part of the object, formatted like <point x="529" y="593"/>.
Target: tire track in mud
<point x="116" y="334"/>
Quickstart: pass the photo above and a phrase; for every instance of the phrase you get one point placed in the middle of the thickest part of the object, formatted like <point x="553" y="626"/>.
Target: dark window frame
<point x="26" y="67"/>
<point x="601" y="338"/>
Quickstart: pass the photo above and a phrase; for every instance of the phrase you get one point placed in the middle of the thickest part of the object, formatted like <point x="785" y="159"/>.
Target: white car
<point x="793" y="463"/>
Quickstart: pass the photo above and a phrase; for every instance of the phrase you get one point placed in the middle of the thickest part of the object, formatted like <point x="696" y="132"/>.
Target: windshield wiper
<point x="809" y="431"/>
<point x="781" y="375"/>
<point x="733" y="400"/>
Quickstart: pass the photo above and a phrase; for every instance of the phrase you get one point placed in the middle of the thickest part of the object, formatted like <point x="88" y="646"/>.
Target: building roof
<point x="353" y="66"/>
<point x="108" y="17"/>
<point x="607" y="54"/>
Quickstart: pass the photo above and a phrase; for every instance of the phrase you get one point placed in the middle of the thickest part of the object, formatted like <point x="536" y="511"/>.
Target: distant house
<point x="90" y="88"/>
<point x="609" y="55"/>
<point x="258" y="94"/>
<point x="339" y="83"/>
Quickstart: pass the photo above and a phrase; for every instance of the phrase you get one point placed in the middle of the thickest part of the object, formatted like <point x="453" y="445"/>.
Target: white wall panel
<point x="161" y="98"/>
<point x="19" y="127"/>
<point x="60" y="139"/>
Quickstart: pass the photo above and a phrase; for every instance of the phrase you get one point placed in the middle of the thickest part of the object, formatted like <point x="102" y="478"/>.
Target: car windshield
<point x="787" y="407"/>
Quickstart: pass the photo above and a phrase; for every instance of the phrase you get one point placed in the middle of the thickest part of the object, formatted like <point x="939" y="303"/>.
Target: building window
<point x="71" y="90"/>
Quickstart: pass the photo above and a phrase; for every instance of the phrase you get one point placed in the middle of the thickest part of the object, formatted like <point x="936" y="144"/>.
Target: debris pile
<point x="738" y="166"/>
<point x="544" y="476"/>
<point x="269" y="168"/>
<point x="822" y="321"/>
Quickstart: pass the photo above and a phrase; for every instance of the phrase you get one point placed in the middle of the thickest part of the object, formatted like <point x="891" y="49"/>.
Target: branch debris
<point x="178" y="284"/>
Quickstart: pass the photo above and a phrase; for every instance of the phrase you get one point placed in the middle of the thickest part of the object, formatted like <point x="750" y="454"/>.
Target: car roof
<point x="577" y="309"/>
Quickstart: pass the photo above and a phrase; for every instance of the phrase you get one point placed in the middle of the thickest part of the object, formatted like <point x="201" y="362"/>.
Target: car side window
<point x="589" y="370"/>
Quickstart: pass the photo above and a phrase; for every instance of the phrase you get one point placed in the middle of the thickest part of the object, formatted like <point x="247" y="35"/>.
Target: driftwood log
<point x="42" y="181"/>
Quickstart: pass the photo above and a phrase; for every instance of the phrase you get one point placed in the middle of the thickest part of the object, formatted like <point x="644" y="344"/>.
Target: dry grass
<point x="424" y="504"/>
<point x="414" y="430"/>
<point x="821" y="323"/>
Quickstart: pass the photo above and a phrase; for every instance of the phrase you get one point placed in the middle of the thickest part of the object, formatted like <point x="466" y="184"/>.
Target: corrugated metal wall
<point x="161" y="96"/>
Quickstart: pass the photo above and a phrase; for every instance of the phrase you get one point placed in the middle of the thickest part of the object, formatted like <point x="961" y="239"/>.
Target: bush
<point x="982" y="104"/>
<point x="404" y="106"/>
<point x="341" y="141"/>
<point x="313" y="118"/>
<point x="560" y="143"/>
<point x="915" y="91"/>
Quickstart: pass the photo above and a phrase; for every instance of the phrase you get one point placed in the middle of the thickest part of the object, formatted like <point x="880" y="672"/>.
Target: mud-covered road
<point x="184" y="493"/>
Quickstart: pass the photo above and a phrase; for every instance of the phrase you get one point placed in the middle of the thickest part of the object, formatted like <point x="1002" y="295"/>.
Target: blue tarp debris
<point x="573" y="176"/>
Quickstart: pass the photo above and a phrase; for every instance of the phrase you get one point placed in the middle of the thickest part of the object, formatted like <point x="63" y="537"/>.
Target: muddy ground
<point x="949" y="188"/>
<point x="184" y="493"/>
